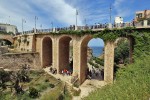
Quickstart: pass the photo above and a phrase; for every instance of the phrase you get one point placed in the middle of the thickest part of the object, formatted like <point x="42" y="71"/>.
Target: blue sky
<point x="96" y="42"/>
<point x="62" y="12"/>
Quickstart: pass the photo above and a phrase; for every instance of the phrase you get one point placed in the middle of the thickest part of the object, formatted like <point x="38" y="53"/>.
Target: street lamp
<point x="76" y="18"/>
<point x="9" y="19"/>
<point x="41" y="26"/>
<point x="36" y="18"/>
<point x="23" y="21"/>
<point x="52" y="26"/>
<point x="85" y="21"/>
<point x="110" y="12"/>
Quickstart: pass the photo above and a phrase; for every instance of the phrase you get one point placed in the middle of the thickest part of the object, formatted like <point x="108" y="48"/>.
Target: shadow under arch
<point x="131" y="43"/>
<point x="64" y="52"/>
<point x="5" y="42"/>
<point x="46" y="51"/>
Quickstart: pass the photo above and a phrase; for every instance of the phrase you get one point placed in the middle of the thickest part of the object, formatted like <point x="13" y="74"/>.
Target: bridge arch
<point x="65" y="44"/>
<point x="7" y="37"/>
<point x="83" y="65"/>
<point x="130" y="41"/>
<point x="5" y="42"/>
<point x="46" y="54"/>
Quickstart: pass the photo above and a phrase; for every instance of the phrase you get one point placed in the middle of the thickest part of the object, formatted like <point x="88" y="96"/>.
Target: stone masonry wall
<point x="14" y="61"/>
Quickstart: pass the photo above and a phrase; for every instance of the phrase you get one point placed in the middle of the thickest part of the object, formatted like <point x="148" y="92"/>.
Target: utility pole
<point x="36" y="18"/>
<point x="23" y="21"/>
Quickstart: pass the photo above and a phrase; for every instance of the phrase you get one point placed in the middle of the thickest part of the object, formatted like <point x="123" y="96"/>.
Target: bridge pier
<point x="76" y="57"/>
<point x="109" y="62"/>
<point x="55" y="54"/>
<point x="130" y="49"/>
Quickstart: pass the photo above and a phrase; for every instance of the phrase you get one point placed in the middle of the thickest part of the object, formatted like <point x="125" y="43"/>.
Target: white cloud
<point x="46" y="10"/>
<point x="121" y="9"/>
<point x="95" y="11"/>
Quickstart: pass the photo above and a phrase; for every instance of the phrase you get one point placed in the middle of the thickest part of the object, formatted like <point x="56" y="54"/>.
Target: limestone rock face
<point x="89" y="53"/>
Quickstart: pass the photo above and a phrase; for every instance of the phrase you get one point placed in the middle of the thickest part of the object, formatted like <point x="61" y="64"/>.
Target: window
<point x="139" y="15"/>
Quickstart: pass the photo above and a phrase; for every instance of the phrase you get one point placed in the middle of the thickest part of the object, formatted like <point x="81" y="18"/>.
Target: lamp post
<point x="110" y="24"/>
<point x="110" y="12"/>
<point x="85" y="21"/>
<point x="76" y="19"/>
<point x="36" y="18"/>
<point x="9" y="19"/>
<point x="41" y="28"/>
<point x="52" y="26"/>
<point x="23" y="21"/>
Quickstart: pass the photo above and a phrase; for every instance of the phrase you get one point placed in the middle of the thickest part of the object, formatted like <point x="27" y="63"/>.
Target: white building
<point x="8" y="28"/>
<point x="118" y="20"/>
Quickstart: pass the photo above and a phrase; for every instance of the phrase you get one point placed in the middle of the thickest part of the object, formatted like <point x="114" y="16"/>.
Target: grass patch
<point x="132" y="83"/>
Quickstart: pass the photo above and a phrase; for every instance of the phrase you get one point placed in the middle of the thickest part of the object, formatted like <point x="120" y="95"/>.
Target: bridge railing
<point x="44" y="30"/>
<point x="93" y="27"/>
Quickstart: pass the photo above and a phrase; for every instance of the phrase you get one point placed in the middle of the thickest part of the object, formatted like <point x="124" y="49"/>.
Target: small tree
<point x="23" y="74"/>
<point x="4" y="77"/>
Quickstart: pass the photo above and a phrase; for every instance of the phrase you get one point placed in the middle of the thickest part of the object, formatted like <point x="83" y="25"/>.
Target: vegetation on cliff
<point x="5" y="33"/>
<point x="133" y="81"/>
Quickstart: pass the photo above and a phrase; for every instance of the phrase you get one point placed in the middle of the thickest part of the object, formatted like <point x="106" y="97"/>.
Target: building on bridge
<point x="8" y="28"/>
<point x="141" y="15"/>
<point x="118" y="20"/>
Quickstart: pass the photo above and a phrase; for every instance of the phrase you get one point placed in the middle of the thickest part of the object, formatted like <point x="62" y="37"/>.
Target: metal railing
<point x="91" y="27"/>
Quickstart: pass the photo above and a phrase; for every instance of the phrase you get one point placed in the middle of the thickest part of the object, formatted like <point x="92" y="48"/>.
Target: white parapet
<point x="110" y="26"/>
<point x="145" y="23"/>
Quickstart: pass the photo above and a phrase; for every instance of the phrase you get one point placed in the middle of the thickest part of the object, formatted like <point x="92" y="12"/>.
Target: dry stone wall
<point x="14" y="61"/>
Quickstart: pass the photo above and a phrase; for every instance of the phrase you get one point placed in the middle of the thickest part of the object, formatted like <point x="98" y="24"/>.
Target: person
<point x="51" y="69"/>
<point x="62" y="72"/>
<point x="93" y="72"/>
<point x="65" y="71"/>
<point x="133" y="22"/>
<point x="89" y="75"/>
<point x="87" y="71"/>
<point x="55" y="71"/>
<point x="68" y="73"/>
<point x="102" y="73"/>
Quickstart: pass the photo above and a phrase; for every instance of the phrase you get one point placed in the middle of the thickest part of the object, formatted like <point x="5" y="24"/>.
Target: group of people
<point x="66" y="72"/>
<point x="53" y="70"/>
<point x="95" y="73"/>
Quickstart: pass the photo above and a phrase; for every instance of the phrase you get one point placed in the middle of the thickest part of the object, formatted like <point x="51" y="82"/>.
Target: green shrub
<point x="33" y="93"/>
<point x="133" y="81"/>
<point x="60" y="97"/>
<point x="76" y="92"/>
<point x="46" y="80"/>
<point x="51" y="85"/>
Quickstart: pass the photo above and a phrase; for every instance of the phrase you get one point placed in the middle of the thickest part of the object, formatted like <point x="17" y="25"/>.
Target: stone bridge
<point x="7" y="37"/>
<point x="54" y="50"/>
